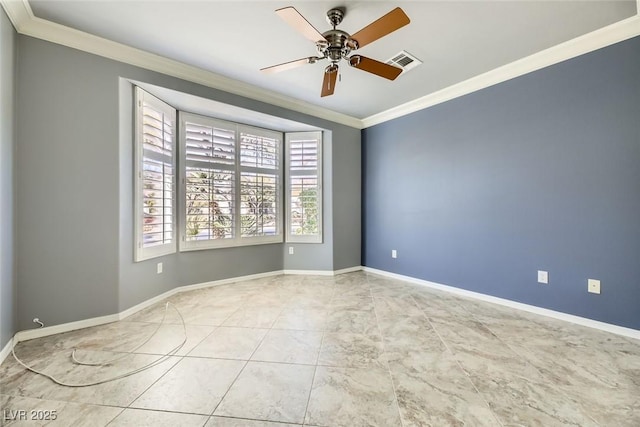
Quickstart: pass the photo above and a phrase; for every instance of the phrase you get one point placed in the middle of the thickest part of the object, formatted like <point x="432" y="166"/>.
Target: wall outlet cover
<point x="593" y="286"/>
<point x="543" y="276"/>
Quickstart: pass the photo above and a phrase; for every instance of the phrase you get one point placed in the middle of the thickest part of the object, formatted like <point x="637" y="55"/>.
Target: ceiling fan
<point x="335" y="44"/>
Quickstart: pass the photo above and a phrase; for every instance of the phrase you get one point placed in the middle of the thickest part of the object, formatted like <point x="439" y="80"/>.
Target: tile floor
<point x="351" y="350"/>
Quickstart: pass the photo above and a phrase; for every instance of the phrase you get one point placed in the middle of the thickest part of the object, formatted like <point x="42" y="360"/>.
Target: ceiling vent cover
<point x="404" y="60"/>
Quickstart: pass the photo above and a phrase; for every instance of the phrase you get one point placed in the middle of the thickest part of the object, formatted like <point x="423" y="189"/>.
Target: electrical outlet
<point x="290" y="250"/>
<point x="394" y="253"/>
<point x="543" y="277"/>
<point x="593" y="286"/>
<point x="159" y="268"/>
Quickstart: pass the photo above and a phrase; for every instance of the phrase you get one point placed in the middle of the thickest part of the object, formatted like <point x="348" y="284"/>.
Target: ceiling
<point x="456" y="40"/>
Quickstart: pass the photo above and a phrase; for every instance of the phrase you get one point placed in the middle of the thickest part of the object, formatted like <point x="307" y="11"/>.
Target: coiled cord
<point x="108" y="362"/>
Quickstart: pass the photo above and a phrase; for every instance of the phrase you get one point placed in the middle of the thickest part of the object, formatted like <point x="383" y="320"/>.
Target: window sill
<point x="201" y="246"/>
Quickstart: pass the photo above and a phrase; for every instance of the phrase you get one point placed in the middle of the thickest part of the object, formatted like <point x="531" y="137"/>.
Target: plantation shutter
<point x="304" y="187"/>
<point x="209" y="180"/>
<point x="155" y="177"/>
<point x="231" y="179"/>
<point x="260" y="154"/>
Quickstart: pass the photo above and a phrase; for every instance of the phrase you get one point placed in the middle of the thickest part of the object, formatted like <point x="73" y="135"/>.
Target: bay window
<point x="209" y="183"/>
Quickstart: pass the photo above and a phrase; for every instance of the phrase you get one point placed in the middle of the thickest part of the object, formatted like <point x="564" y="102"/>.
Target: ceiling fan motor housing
<point x="337" y="45"/>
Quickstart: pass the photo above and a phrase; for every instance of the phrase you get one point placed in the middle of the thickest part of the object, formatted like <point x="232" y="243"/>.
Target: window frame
<point x="237" y="241"/>
<point x="290" y="237"/>
<point x="140" y="252"/>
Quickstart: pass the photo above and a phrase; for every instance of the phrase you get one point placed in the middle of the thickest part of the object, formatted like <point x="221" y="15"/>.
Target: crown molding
<point x="26" y="23"/>
<point x="581" y="45"/>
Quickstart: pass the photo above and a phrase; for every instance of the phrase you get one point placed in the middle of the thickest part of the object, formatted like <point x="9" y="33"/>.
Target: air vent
<point x="404" y="60"/>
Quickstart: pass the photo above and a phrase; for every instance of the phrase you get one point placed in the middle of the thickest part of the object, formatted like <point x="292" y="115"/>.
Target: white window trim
<point x="141" y="253"/>
<point x="238" y="240"/>
<point x="293" y="238"/>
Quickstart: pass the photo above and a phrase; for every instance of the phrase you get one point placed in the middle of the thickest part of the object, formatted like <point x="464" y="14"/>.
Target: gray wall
<point x="76" y="109"/>
<point x="540" y="172"/>
<point x="7" y="194"/>
<point x="347" y="203"/>
<point x="67" y="185"/>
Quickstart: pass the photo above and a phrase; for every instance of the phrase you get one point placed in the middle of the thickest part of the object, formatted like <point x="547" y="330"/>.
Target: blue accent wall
<point x="541" y="172"/>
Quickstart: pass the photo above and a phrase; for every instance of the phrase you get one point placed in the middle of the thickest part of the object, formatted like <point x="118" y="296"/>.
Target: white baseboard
<point x="148" y="303"/>
<point x="323" y="272"/>
<point x="309" y="272"/>
<point x="230" y="280"/>
<point x="347" y="270"/>
<point x="6" y="351"/>
<point x="583" y="321"/>
<point x="30" y="334"/>
<point x="96" y="321"/>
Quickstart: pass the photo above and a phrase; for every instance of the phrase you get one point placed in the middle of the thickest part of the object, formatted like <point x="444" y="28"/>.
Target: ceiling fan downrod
<point x="337" y="44"/>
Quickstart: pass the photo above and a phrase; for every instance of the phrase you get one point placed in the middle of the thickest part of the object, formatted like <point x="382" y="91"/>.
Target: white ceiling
<point x="456" y="40"/>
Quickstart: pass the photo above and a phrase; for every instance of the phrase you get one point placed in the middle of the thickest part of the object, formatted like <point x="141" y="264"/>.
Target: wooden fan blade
<point x="299" y="23"/>
<point x="375" y="67"/>
<point x="381" y="27"/>
<point x="329" y="81"/>
<point x="289" y="65"/>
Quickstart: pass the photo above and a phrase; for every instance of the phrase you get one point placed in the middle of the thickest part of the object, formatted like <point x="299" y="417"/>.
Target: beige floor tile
<point x="20" y="382"/>
<point x="352" y="397"/>
<point x="243" y="422"/>
<point x="302" y="319"/>
<point x="391" y="307"/>
<point x="114" y="336"/>
<point x="350" y="279"/>
<point x="168" y="337"/>
<point x="309" y="302"/>
<point x="120" y="336"/>
<point x="396" y="351"/>
<point x="146" y="418"/>
<point x="432" y="389"/>
<point x="268" y="300"/>
<point x="289" y="346"/>
<point x="439" y="305"/>
<point x="230" y="343"/>
<point x="159" y="312"/>
<point x="193" y="385"/>
<point x="410" y="331"/>
<point x="212" y="315"/>
<point x="351" y="303"/>
<point x="361" y="291"/>
<point x="269" y="391"/>
<point x="354" y="321"/>
<point x="517" y="400"/>
<point x="352" y="350"/>
<point x="253" y="317"/>
<point x="27" y="411"/>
